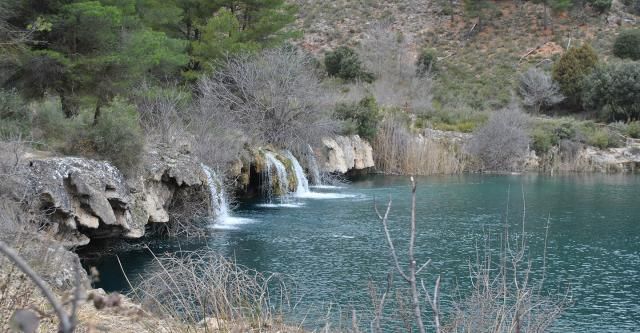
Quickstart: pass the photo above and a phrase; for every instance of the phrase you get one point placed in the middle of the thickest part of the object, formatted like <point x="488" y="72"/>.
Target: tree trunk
<point x="69" y="106"/>
<point x="96" y="115"/>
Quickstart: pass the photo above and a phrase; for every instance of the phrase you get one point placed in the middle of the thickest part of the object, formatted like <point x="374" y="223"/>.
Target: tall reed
<point x="398" y="151"/>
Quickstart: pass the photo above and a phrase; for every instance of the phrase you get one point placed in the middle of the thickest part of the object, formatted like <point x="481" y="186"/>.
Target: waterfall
<point x="303" y="183"/>
<point x="219" y="205"/>
<point x="313" y="167"/>
<point x="280" y="173"/>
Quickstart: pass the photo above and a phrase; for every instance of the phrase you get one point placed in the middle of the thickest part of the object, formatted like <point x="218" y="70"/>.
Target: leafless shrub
<point x="503" y="142"/>
<point x="504" y="296"/>
<point x="410" y="274"/>
<point x="539" y="90"/>
<point x="397" y="83"/>
<point x="270" y="98"/>
<point x="163" y="112"/>
<point x="203" y="288"/>
<point x="398" y="151"/>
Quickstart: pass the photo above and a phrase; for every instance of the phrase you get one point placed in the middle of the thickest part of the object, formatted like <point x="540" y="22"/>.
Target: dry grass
<point x="398" y="151"/>
<point x="203" y="289"/>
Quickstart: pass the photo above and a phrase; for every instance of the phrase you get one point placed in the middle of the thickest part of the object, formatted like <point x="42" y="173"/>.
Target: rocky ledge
<point x="83" y="199"/>
<point x="345" y="153"/>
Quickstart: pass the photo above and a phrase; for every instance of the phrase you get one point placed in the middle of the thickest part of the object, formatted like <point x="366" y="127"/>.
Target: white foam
<point x="321" y="195"/>
<point x="344" y="236"/>
<point x="281" y="205"/>
<point x="328" y="187"/>
<point x="231" y="223"/>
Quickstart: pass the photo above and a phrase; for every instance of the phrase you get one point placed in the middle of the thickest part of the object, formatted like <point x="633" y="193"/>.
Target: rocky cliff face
<point x="590" y="159"/>
<point x="85" y="199"/>
<point x="345" y="153"/>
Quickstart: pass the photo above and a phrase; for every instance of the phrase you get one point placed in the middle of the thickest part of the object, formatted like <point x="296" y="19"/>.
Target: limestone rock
<point x="86" y="198"/>
<point x="345" y="153"/>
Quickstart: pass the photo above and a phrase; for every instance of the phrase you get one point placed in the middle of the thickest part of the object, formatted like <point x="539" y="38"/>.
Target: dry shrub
<point x="504" y="296"/>
<point x="273" y="97"/>
<point x="398" y="151"/>
<point x="202" y="288"/>
<point x="502" y="143"/>
<point x="162" y="112"/>
<point x="398" y="82"/>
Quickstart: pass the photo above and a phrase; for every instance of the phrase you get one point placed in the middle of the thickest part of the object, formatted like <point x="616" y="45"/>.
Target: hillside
<point x="479" y="63"/>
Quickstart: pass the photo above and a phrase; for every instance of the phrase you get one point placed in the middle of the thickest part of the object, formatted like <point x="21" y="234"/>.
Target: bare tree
<point x="397" y="83"/>
<point x="271" y="98"/>
<point x="163" y="112"/>
<point x="503" y="142"/>
<point x="410" y="274"/>
<point x="539" y="90"/>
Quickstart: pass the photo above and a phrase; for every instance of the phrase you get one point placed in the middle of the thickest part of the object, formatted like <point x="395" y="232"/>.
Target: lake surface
<point x="332" y="243"/>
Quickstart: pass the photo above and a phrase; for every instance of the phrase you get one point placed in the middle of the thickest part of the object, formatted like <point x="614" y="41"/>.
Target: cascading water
<point x="273" y="164"/>
<point x="302" y="181"/>
<point x="313" y="167"/>
<point x="219" y="205"/>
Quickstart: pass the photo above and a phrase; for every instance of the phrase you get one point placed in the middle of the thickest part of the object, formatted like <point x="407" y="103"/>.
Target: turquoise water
<point x="332" y="244"/>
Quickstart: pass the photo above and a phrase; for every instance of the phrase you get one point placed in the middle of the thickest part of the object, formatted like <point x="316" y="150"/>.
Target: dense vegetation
<point x="104" y="78"/>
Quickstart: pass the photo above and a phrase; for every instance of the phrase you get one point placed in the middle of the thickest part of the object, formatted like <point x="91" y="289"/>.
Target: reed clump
<point x="204" y="290"/>
<point x="398" y="151"/>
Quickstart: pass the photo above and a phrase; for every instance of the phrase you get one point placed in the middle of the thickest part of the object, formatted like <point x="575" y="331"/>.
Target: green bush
<point x="633" y="129"/>
<point x="600" y="6"/>
<point x="344" y="63"/>
<point x="599" y="136"/>
<point x="14" y="114"/>
<point x="360" y="118"/>
<point x="572" y="67"/>
<point x="614" y="90"/>
<point x="50" y="126"/>
<point x="547" y="134"/>
<point x="118" y="137"/>
<point x="627" y="44"/>
<point x="542" y="141"/>
<point x="426" y="62"/>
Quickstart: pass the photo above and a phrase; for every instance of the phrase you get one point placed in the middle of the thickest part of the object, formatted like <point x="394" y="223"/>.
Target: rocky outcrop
<point x="85" y="199"/>
<point x="590" y="159"/>
<point x="345" y="153"/>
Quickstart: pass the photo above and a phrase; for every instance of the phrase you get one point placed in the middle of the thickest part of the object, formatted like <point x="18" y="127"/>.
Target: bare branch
<point x="66" y="324"/>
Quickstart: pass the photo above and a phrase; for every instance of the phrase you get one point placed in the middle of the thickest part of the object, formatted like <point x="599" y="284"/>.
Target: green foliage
<point x="552" y="132"/>
<point x="627" y="44"/>
<point x="426" y="61"/>
<point x="360" y="118"/>
<point x="100" y="49"/>
<point x="600" y="6"/>
<point x="118" y="136"/>
<point x="547" y="134"/>
<point x="344" y="63"/>
<point x="240" y="26"/>
<point x="50" y="126"/>
<point x="221" y="35"/>
<point x="559" y="5"/>
<point x="14" y="114"/>
<point x="459" y="119"/>
<point x="615" y="91"/>
<point x="633" y="129"/>
<point x="570" y="70"/>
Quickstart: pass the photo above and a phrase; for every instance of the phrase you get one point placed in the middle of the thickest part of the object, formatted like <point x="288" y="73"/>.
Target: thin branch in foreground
<point x="67" y="322"/>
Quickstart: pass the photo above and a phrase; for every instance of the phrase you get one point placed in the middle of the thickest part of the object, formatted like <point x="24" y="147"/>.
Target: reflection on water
<point x="332" y="244"/>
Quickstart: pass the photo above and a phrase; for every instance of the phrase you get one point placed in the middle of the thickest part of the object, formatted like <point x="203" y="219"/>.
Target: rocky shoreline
<point x="84" y="199"/>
